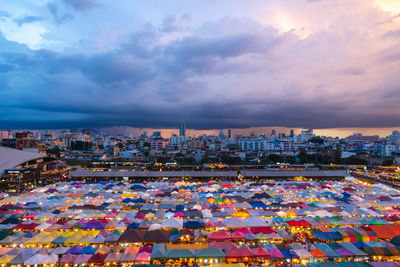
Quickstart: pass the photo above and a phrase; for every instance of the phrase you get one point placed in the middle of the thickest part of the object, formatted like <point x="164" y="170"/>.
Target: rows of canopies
<point x="190" y="223"/>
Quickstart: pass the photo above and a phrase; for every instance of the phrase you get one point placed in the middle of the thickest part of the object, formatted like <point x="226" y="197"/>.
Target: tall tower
<point x="182" y="128"/>
<point x="229" y="133"/>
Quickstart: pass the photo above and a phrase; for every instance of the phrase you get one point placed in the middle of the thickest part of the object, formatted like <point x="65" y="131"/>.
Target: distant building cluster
<point x="90" y="145"/>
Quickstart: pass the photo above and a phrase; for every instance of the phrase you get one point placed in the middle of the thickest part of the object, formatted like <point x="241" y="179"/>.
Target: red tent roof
<point x="220" y="235"/>
<point x="262" y="229"/>
<point x="97" y="258"/>
<point x="237" y="235"/>
<point x="226" y="246"/>
<point x="298" y="223"/>
<point x="260" y="252"/>
<point x="240" y="253"/>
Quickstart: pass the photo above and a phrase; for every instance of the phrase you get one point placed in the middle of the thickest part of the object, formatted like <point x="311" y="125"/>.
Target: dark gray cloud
<point x="249" y="75"/>
<point x="205" y="55"/>
<point x="27" y="19"/>
<point x="141" y="43"/>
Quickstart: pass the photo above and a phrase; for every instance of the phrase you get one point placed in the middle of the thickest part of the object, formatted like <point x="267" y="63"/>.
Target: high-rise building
<point x="22" y="140"/>
<point x="182" y="128"/>
<point x="291" y="133"/>
<point x="3" y="135"/>
<point x="156" y="134"/>
<point x="229" y="133"/>
<point x="221" y="134"/>
<point x="273" y="132"/>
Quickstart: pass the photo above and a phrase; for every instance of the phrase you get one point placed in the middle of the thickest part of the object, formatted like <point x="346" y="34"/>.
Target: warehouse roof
<point x="245" y="173"/>
<point x="11" y="158"/>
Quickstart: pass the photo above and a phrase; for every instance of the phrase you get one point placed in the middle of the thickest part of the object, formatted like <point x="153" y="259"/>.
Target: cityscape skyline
<point x="204" y="133"/>
<point x="166" y="133"/>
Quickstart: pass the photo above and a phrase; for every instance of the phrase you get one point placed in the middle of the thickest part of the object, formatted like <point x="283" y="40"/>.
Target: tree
<point x="54" y="151"/>
<point x="275" y="158"/>
<point x="205" y="158"/>
<point x="337" y="156"/>
<point x="146" y="144"/>
<point x="354" y="160"/>
<point x="317" y="140"/>
<point x="387" y="162"/>
<point x="303" y="157"/>
<point x="231" y="160"/>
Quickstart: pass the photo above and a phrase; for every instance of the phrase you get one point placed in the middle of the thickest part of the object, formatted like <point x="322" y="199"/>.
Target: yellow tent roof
<point x="68" y="233"/>
<point x="75" y="238"/>
<point x="7" y="258"/>
<point x="240" y="214"/>
<point x="227" y="201"/>
<point x="43" y="237"/>
<point x="290" y="213"/>
<point x="127" y="195"/>
<point x="228" y="265"/>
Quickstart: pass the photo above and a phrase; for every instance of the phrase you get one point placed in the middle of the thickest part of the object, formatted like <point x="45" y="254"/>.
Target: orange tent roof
<point x="317" y="253"/>
<point x="386" y="231"/>
<point x="134" y="250"/>
<point x="240" y="214"/>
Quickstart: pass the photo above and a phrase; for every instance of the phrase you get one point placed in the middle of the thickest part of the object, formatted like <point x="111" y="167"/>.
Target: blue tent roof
<point x="88" y="250"/>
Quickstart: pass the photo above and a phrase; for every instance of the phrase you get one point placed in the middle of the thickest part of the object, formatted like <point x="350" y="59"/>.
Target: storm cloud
<point x="228" y="72"/>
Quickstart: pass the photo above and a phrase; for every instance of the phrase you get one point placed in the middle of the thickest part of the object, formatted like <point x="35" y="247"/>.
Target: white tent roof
<point x="172" y="223"/>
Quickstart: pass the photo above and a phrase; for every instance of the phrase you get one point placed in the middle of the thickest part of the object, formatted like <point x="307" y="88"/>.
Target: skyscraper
<point x="229" y="133"/>
<point x="182" y="128"/>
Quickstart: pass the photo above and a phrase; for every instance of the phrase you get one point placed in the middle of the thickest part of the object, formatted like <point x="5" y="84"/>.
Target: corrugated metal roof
<point x="10" y="158"/>
<point x="246" y="173"/>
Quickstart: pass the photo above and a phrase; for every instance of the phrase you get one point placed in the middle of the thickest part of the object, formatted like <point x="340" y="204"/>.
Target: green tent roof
<point x="180" y="253"/>
<point x="209" y="253"/>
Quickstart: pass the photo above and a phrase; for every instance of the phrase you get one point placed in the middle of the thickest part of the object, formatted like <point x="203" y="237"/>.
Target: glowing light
<point x="392" y="6"/>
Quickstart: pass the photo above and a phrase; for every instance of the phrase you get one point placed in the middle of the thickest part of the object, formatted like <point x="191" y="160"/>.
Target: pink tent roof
<point x="143" y="257"/>
<point x="242" y="230"/>
<point x="81" y="259"/>
<point x="220" y="235"/>
<point x="68" y="258"/>
<point x="240" y="253"/>
<point x="260" y="252"/>
<point x="275" y="253"/>
<point x="178" y="214"/>
<point x="237" y="235"/>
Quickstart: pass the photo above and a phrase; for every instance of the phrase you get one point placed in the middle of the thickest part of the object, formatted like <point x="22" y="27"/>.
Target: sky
<point x="332" y="65"/>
